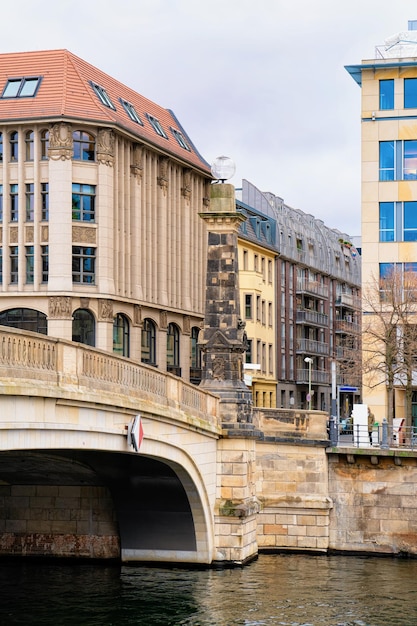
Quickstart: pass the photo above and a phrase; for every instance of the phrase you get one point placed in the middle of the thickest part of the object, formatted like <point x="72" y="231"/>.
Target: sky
<point x="260" y="81"/>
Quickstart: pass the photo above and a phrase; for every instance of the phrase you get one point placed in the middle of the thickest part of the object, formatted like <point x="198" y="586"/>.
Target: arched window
<point x="44" y="144"/>
<point x="148" y="348"/>
<point x="29" y="143"/>
<point x="195" y="357"/>
<point x="84" y="146"/>
<point x="173" y="349"/>
<point x="14" y="145"/>
<point x="25" y="319"/>
<point x="84" y="327"/>
<point x="121" y="344"/>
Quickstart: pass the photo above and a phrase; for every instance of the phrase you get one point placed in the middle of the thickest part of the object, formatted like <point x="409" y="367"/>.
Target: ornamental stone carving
<point x="29" y="234"/>
<point x="187" y="325"/>
<point x="137" y="161"/>
<point x="14" y="235"/>
<point x="163" y="174"/>
<point x="60" y="142"/>
<point x="59" y="307"/>
<point x="137" y="315"/>
<point x="44" y="233"/>
<point x="84" y="303"/>
<point x="218" y="368"/>
<point x="105" y="310"/>
<point x="83" y="234"/>
<point x="186" y="188"/>
<point x="164" y="319"/>
<point x="105" y="146"/>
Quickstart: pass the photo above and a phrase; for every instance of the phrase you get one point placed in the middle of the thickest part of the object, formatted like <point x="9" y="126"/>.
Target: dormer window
<point x="21" y="87"/>
<point x="180" y="138"/>
<point x="102" y="95"/>
<point x="156" y="125"/>
<point x="131" y="111"/>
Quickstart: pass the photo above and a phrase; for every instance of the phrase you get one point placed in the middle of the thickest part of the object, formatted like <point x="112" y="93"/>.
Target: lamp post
<point x="309" y="360"/>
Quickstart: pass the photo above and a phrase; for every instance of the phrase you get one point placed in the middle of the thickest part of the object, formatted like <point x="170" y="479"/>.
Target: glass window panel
<point x="410" y="93"/>
<point x="386" y="94"/>
<point x="29" y="87"/>
<point x="410" y="221"/>
<point x="410" y="160"/>
<point x="386" y="221"/>
<point x="386" y="160"/>
<point x="12" y="88"/>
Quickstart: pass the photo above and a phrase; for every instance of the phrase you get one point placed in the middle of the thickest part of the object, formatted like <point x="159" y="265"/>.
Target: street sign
<point x="135" y="433"/>
<point x="349" y="389"/>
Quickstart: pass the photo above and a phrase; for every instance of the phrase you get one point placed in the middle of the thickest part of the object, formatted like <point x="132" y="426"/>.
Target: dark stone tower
<point x="223" y="339"/>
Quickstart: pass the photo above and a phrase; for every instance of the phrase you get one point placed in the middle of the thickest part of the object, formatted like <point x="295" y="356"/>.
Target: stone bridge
<point x="71" y="483"/>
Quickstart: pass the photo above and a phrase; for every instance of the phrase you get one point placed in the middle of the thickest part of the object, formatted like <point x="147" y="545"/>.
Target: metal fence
<point x="384" y="436"/>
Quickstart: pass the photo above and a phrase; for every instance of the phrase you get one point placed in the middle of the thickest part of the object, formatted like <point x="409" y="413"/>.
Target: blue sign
<point x="349" y="389"/>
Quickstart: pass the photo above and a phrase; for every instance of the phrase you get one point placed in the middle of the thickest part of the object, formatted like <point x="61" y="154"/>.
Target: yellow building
<point x="257" y="294"/>
<point x="389" y="181"/>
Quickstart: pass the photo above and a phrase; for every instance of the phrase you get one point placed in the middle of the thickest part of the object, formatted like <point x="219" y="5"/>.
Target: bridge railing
<point x="34" y="357"/>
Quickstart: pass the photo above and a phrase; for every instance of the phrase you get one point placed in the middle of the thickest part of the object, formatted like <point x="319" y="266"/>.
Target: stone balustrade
<point x="36" y="358"/>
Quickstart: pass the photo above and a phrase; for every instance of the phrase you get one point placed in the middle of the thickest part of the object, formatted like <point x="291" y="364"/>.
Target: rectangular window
<point x="248" y="306"/>
<point x="410" y="160"/>
<point x="30" y="264"/>
<point x="1" y="203"/>
<point x="45" y="202"/>
<point x="270" y="316"/>
<point x="21" y="87"/>
<point x="29" y="202"/>
<point x="14" y="264"/>
<point x="248" y="358"/>
<point x="1" y="266"/>
<point x="270" y="359"/>
<point x="386" y="221"/>
<point x="180" y="139"/>
<point x="83" y="202"/>
<point x="410" y="221"/>
<point x="255" y="263"/>
<point x="258" y="308"/>
<point x="386" y="94"/>
<point x="156" y="125"/>
<point x="263" y="312"/>
<point x="270" y="271"/>
<point x="45" y="263"/>
<point x="131" y="111"/>
<point x="386" y="160"/>
<point x="14" y="203"/>
<point x="102" y="95"/>
<point x="83" y="265"/>
<point x="410" y="93"/>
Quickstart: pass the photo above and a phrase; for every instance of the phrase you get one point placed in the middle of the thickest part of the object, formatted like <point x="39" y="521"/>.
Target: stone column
<point x="223" y="343"/>
<point x="223" y="339"/>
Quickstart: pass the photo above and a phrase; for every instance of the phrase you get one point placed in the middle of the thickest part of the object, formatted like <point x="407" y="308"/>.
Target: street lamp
<point x="309" y="360"/>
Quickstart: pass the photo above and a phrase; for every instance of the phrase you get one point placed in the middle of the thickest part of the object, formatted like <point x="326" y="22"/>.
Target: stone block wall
<point x="374" y="503"/>
<point x="57" y="521"/>
<point x="293" y="487"/>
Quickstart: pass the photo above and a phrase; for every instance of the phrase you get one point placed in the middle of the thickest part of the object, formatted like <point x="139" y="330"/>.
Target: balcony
<point x="318" y="377"/>
<point x="346" y="299"/>
<point x="312" y="287"/>
<point x="347" y="327"/>
<point x="310" y="346"/>
<point x="306" y="316"/>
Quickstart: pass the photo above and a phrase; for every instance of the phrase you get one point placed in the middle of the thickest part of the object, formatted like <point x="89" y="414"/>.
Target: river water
<point x="284" y="590"/>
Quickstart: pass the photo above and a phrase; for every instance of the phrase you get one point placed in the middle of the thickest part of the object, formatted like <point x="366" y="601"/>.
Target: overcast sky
<point x="261" y="81"/>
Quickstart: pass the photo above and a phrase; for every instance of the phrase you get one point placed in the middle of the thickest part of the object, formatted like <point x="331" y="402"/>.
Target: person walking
<point x="371" y="421"/>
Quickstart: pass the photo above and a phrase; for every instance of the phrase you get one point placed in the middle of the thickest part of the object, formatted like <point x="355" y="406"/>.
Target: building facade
<point x="304" y="278"/>
<point x="389" y="188"/>
<point x="100" y="192"/>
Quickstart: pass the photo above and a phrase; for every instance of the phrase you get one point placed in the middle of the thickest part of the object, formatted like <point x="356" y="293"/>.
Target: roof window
<point x="180" y="138"/>
<point x="131" y="111"/>
<point x="103" y="96"/>
<point x="21" y="87"/>
<point x="156" y="126"/>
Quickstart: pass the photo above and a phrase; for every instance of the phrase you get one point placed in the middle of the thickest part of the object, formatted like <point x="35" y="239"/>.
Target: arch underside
<point x="97" y="504"/>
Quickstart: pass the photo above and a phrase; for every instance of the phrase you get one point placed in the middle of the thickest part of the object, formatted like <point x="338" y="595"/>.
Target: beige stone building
<point x="389" y="184"/>
<point x="100" y="192"/>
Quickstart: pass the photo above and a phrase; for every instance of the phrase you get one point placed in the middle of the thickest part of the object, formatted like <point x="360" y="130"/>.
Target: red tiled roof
<point x="65" y="91"/>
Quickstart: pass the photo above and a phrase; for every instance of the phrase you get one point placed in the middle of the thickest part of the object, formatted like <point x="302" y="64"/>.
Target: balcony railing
<point x="312" y="287"/>
<point x="383" y="436"/>
<point x="305" y="316"/>
<point x="311" y="346"/>
<point x="318" y="377"/>
<point x="347" y="326"/>
<point x="346" y="299"/>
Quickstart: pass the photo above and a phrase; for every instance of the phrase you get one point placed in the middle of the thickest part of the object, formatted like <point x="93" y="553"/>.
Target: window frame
<point x="86" y="211"/>
<point x="14" y="202"/>
<point x="180" y="139"/>
<point x="156" y="125"/>
<point x="386" y="94"/>
<point x="29" y="202"/>
<point x="410" y="93"/>
<point x="30" y="264"/>
<point x="102" y="95"/>
<point x="148" y="342"/>
<point x="82" y="257"/>
<point x="131" y="111"/>
<point x="21" y="82"/>
<point x="84" y="146"/>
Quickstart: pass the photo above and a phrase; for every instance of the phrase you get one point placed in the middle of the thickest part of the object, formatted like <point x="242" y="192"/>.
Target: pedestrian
<point x="371" y="420"/>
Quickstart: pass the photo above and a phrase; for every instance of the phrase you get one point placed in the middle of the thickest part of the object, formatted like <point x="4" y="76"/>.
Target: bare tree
<point x="390" y="335"/>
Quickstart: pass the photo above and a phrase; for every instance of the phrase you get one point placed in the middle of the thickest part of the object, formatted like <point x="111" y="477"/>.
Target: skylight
<point x="103" y="96"/>
<point x="21" y="87"/>
<point x="156" y="126"/>
<point x="131" y="111"/>
<point x="180" y="138"/>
